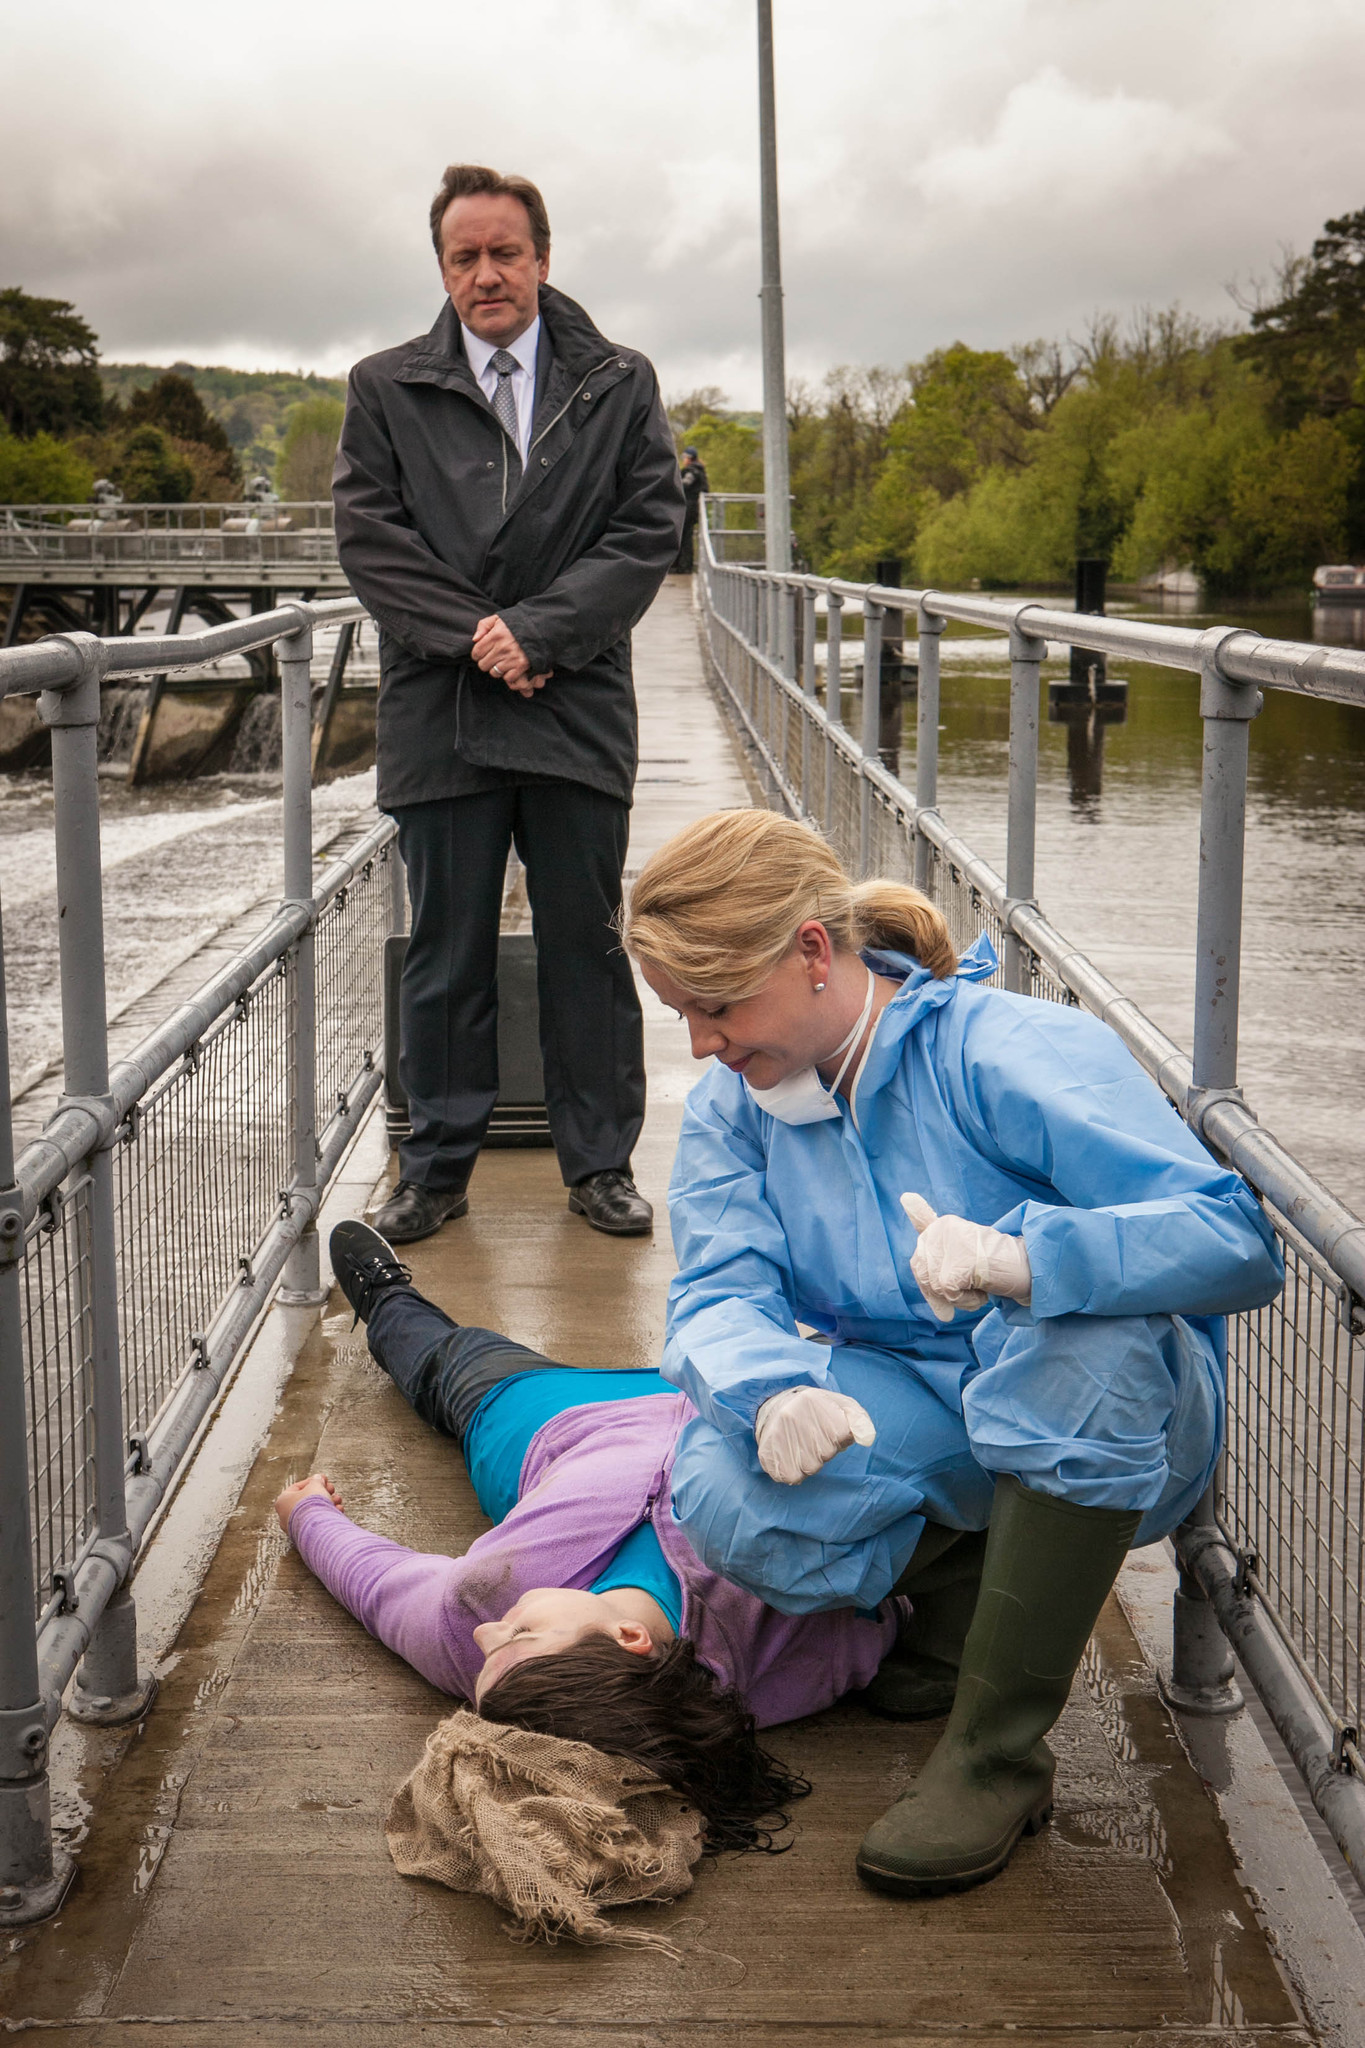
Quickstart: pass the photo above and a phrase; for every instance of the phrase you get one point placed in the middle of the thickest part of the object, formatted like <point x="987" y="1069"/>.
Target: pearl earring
<point x="820" y="988"/>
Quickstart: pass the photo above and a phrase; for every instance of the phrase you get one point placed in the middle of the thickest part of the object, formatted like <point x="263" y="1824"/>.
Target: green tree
<point x="838" y="445"/>
<point x="173" y="404"/>
<point x="731" y="450"/>
<point x="304" y="469"/>
<point x="48" y="380"/>
<point x="1308" y="342"/>
<point x="150" y="470"/>
<point x="1291" y="505"/>
<point x="42" y="471"/>
<point x="685" y="411"/>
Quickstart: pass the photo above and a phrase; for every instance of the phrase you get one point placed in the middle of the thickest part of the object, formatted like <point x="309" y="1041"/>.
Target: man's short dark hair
<point x="462" y="181"/>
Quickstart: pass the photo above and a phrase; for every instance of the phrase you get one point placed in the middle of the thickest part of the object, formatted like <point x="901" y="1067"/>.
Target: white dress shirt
<point x="481" y="353"/>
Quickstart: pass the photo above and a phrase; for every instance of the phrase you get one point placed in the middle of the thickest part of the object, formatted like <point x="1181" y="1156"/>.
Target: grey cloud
<point x="990" y="169"/>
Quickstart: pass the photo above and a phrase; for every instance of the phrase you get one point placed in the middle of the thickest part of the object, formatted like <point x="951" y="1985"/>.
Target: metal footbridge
<point x="170" y="1357"/>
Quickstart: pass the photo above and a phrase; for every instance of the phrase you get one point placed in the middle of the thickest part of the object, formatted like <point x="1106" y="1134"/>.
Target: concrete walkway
<point x="235" y="1886"/>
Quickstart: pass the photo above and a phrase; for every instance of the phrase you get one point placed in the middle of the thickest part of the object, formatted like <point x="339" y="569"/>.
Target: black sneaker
<point x="612" y="1202"/>
<point x="364" y="1265"/>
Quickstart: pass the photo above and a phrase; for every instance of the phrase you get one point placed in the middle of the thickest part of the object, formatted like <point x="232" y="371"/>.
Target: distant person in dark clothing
<point x="507" y="505"/>
<point x="695" y="483"/>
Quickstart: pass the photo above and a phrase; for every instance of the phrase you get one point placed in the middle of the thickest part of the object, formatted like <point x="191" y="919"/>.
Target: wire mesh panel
<point x="199" y="1180"/>
<point x="1290" y="1494"/>
<point x="349" y="954"/>
<point x="54" y="1281"/>
<point x="965" y="909"/>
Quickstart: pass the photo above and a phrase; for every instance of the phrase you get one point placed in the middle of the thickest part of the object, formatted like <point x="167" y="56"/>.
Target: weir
<point x="115" y="568"/>
<point x="234" y="1882"/>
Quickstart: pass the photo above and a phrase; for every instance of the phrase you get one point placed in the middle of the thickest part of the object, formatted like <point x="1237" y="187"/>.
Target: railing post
<point x="926" y="738"/>
<point x="806" y="601"/>
<point x="1227" y="709"/>
<point x="32" y="1878"/>
<point x="302" y="1275"/>
<point x="109" y="1688"/>
<point x="872" y="724"/>
<point x="1202" y="1679"/>
<point x="1026" y="655"/>
<point x="1202" y="1667"/>
<point x="834" y="697"/>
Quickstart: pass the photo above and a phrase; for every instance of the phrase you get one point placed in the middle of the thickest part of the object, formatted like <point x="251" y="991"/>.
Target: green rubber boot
<point x="1048" y="1568"/>
<point x="917" y="1680"/>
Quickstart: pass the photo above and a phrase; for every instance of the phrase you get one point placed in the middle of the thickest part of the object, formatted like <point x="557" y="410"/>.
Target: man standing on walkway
<point x="695" y="483"/>
<point x="507" y="505"/>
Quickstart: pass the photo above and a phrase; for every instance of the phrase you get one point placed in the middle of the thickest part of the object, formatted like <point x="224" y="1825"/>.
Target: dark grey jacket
<point x="435" y="531"/>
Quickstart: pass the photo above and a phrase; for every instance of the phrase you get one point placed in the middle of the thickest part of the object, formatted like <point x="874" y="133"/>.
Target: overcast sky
<point x="249" y="184"/>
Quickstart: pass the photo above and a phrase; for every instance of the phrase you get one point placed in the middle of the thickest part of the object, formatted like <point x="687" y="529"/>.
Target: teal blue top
<point x="497" y="1440"/>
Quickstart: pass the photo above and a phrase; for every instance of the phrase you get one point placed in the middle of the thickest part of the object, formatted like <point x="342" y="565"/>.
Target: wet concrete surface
<point x="235" y="1886"/>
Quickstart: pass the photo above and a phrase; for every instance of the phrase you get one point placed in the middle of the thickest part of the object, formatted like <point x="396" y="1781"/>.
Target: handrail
<point x="1268" y="1587"/>
<point x="110" y="1248"/>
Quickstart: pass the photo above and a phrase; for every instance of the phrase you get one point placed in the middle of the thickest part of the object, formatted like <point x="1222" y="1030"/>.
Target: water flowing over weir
<point x="234" y="1876"/>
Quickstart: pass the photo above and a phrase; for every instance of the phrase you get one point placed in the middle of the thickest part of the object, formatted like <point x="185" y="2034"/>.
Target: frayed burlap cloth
<point x="555" y="1831"/>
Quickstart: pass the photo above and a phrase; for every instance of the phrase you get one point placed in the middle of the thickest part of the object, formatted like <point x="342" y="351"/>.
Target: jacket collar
<point x="577" y="344"/>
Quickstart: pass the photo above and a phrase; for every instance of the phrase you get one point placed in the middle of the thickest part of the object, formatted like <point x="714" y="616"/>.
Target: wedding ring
<point x="496" y="670"/>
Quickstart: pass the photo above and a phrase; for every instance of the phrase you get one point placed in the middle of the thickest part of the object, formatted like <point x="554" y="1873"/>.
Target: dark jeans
<point x="573" y="842"/>
<point x="447" y="1373"/>
<point x="441" y="1368"/>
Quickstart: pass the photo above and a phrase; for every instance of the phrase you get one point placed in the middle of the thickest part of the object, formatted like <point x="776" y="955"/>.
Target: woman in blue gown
<point x="949" y="1263"/>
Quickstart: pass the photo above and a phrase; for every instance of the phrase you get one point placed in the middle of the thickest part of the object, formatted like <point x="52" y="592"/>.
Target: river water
<point x="181" y="861"/>
<point x="1118" y="860"/>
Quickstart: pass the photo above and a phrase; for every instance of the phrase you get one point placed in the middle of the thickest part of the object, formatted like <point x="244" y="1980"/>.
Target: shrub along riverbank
<point x="1157" y="442"/>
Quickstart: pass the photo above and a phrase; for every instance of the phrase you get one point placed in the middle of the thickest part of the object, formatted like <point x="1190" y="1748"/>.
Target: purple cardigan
<point x="590" y="1476"/>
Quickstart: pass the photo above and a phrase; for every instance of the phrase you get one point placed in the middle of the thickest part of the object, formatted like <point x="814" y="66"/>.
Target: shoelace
<point x="371" y="1274"/>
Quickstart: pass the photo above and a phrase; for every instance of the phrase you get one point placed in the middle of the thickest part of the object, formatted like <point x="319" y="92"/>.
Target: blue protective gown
<point x="1107" y="1390"/>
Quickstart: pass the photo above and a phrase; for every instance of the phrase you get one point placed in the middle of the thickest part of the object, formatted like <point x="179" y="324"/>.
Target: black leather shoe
<point x="412" y="1211"/>
<point x="364" y="1265"/>
<point x="611" y="1201"/>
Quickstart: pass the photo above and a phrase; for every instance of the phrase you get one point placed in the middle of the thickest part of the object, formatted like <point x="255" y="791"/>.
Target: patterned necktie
<point x="504" y="403"/>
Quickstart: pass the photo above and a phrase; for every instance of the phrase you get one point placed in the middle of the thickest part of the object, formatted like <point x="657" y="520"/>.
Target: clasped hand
<point x="498" y="653"/>
<point x="802" y="1428"/>
<point x="959" y="1264"/>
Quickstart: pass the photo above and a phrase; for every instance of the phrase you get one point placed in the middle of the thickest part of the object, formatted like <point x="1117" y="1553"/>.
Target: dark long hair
<point x="668" y="1713"/>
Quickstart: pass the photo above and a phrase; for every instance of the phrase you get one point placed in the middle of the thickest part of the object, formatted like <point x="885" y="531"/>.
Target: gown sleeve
<point x="1133" y="1216"/>
<point x="732" y="1338"/>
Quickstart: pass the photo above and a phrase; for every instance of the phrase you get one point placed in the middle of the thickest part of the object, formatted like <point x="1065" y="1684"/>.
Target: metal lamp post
<point x="776" y="472"/>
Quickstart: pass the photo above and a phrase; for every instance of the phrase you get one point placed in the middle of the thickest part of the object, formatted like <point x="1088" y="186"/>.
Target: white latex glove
<point x="958" y="1264"/>
<point x="802" y="1428"/>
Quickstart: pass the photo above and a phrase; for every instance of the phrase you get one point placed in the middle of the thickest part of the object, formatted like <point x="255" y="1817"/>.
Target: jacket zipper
<point x="531" y="448"/>
<point x="604" y="364"/>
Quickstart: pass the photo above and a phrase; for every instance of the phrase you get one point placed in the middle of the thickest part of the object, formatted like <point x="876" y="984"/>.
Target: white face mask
<point x="803" y="1098"/>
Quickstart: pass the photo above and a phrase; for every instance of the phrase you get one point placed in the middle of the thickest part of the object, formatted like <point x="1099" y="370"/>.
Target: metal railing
<point x="177" y="538"/>
<point x="1274" y="1560"/>
<point x="724" y="515"/>
<point x="144" y="1234"/>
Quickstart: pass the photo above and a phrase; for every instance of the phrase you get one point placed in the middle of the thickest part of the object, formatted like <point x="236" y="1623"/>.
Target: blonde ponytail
<point x="720" y="905"/>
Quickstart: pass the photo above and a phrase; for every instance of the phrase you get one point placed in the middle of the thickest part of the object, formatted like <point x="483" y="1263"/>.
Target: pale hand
<point x="959" y="1264"/>
<point x="316" y="1485"/>
<point x="498" y="653"/>
<point x="802" y="1428"/>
